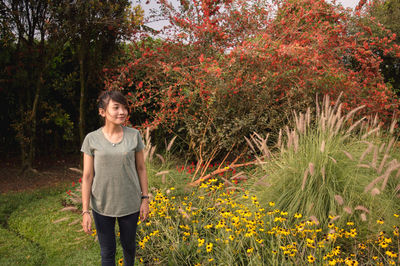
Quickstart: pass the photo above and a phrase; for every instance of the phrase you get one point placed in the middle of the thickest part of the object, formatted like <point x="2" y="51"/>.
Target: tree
<point x="233" y="67"/>
<point x="387" y="13"/>
<point x="26" y="22"/>
<point x="94" y="29"/>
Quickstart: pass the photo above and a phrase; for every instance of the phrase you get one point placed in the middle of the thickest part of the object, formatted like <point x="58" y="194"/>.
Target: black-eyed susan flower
<point x="271" y="203"/>
<point x="120" y="262"/>
<point x="380" y="221"/>
<point x="298" y="215"/>
<point x="311" y="259"/>
<point x="209" y="247"/>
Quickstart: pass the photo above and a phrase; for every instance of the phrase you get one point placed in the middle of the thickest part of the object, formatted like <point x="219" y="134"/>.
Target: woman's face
<point x="115" y="113"/>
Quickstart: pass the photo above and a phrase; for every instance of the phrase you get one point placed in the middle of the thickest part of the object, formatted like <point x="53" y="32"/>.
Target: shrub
<point x="331" y="166"/>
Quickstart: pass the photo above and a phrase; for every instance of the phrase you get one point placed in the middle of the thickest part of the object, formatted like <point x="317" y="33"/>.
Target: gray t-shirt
<point x="116" y="189"/>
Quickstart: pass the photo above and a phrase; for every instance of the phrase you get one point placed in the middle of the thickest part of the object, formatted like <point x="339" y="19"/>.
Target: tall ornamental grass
<point x="330" y="166"/>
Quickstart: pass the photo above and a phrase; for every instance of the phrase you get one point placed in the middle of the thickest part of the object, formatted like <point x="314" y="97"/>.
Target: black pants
<point x="105" y="227"/>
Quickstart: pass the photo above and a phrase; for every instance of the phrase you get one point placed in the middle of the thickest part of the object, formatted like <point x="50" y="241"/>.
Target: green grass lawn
<point x="29" y="235"/>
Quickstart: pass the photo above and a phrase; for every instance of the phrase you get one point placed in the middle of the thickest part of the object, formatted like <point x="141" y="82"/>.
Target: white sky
<point x="153" y="4"/>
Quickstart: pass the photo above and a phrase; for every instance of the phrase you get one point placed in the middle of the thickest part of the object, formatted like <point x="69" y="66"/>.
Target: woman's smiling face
<point x="115" y="113"/>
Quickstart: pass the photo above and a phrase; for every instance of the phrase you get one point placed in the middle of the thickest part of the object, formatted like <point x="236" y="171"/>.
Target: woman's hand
<point x="87" y="223"/>
<point x="144" y="209"/>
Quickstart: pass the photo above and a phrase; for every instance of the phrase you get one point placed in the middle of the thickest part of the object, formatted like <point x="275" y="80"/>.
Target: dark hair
<point x="116" y="96"/>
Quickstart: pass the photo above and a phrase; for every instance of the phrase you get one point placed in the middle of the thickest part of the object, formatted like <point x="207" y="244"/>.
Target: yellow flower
<point x="209" y="247"/>
<point x="94" y="232"/>
<point x="396" y="215"/>
<point x="250" y="250"/>
<point x="231" y="237"/>
<point x="298" y="215"/>
<point x="120" y="262"/>
<point x="332" y="262"/>
<point x="210" y="259"/>
<point x="350" y="223"/>
<point x="271" y="203"/>
<point x="380" y="221"/>
<point x="391" y="254"/>
<point x="311" y="259"/>
<point x="172" y="188"/>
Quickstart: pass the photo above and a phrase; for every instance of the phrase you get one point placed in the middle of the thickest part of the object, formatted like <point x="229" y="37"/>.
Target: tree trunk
<point x="82" y="51"/>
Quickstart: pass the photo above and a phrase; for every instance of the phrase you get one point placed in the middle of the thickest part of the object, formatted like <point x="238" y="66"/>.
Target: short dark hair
<point x="116" y="96"/>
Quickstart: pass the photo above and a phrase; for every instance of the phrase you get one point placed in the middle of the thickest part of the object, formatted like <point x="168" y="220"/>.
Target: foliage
<point x="330" y="165"/>
<point x="230" y="68"/>
<point x="387" y="13"/>
<point x="231" y="227"/>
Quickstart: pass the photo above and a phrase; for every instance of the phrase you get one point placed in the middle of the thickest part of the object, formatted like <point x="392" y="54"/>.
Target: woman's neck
<point x="111" y="129"/>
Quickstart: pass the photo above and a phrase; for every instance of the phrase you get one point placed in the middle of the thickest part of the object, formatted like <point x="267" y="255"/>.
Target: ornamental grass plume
<point x="335" y="156"/>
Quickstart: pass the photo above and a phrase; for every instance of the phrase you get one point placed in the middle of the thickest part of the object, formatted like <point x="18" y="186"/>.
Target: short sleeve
<point x="140" y="145"/>
<point x="86" y="148"/>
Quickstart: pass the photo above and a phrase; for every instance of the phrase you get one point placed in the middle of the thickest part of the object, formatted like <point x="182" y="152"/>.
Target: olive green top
<point x="115" y="189"/>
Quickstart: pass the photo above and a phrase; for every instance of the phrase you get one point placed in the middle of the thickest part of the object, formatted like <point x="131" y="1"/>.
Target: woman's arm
<point x="87" y="179"/>
<point x="141" y="170"/>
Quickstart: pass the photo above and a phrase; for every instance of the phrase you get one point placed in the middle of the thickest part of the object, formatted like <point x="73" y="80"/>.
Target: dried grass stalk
<point x="322" y="149"/>
<point x="279" y="138"/>
<point x="303" y="184"/>
<point x="363" y="166"/>
<point x="367" y="150"/>
<point x="162" y="173"/>
<point x="171" y="143"/>
<point x="353" y="126"/>
<point x="375" y="192"/>
<point x="348" y="155"/>
<point x="382" y="147"/>
<point x="60" y="220"/>
<point x="348" y="210"/>
<point x="295" y="141"/>
<point x="393" y="166"/>
<point x="398" y="174"/>
<point x="389" y="145"/>
<point x="339" y="200"/>
<point x="363" y="217"/>
<point x="311" y="168"/>
<point x="383" y="163"/>
<point x="373" y="183"/>
<point x="335" y="218"/>
<point x="375" y="157"/>
<point x="333" y="159"/>
<point x="397" y="188"/>
<point x="352" y="112"/>
<point x="375" y="120"/>
<point x="339" y="125"/>
<point x="74" y="222"/>
<point x="375" y="130"/>
<point x="392" y="125"/>
<point x="69" y="208"/>
<point x="161" y="158"/>
<point x="79" y="171"/>
<point x="361" y="208"/>
<point x="323" y="174"/>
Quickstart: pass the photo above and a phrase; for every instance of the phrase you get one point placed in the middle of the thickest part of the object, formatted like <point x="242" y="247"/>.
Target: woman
<point x="114" y="179"/>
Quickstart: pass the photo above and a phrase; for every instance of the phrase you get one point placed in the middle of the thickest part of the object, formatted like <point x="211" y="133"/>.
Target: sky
<point x="147" y="5"/>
